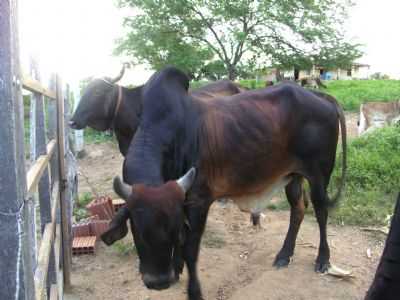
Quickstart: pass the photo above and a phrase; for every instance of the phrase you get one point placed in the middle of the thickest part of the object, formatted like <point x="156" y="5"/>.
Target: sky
<point x="77" y="37"/>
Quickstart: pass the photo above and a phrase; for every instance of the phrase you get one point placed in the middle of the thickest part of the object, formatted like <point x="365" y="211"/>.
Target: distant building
<point x="357" y="71"/>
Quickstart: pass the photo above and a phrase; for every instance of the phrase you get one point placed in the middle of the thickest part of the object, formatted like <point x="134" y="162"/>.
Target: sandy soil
<point x="235" y="259"/>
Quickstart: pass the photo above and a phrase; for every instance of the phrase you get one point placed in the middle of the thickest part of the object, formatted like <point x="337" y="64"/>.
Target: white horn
<point x="186" y="181"/>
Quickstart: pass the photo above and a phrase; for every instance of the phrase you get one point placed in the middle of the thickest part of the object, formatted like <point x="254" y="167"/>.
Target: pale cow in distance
<point x="378" y="114"/>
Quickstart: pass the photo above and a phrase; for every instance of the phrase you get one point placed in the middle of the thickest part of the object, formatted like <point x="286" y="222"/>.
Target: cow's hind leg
<point x="319" y="200"/>
<point x="294" y="194"/>
<point x="255" y="219"/>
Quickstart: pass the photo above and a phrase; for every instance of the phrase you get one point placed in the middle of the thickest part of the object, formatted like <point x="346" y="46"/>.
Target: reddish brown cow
<point x="243" y="147"/>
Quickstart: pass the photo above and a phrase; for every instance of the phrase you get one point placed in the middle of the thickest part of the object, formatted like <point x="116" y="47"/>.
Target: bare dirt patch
<point x="235" y="260"/>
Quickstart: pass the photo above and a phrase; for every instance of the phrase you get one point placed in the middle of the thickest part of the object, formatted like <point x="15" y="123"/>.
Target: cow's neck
<point x="126" y="118"/>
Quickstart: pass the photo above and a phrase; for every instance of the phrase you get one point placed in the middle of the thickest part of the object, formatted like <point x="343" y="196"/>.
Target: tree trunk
<point x="279" y="76"/>
<point x="231" y="72"/>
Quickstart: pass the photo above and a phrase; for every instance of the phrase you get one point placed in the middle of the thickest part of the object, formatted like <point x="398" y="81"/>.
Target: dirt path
<point x="235" y="260"/>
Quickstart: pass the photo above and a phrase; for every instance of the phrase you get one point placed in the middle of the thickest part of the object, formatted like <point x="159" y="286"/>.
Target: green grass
<point x="252" y="83"/>
<point x="198" y="84"/>
<point x="97" y="137"/>
<point x="80" y="211"/>
<point x="124" y="248"/>
<point x="352" y="93"/>
<point x="373" y="178"/>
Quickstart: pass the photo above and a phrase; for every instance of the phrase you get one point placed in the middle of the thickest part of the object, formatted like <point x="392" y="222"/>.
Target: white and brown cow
<point x="378" y="114"/>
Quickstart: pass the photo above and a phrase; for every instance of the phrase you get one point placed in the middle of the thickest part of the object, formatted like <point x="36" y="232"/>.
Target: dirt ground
<point x="235" y="259"/>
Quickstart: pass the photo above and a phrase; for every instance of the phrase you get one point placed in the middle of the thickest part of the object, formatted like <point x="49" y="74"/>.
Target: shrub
<point x="373" y="177"/>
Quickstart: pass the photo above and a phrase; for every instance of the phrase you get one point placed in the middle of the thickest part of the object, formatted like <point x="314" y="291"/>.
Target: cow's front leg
<point x="178" y="261"/>
<point x="196" y="214"/>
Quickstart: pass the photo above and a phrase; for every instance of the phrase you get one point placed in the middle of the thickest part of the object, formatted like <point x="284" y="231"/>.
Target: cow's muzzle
<point x="74" y="125"/>
<point x="159" y="282"/>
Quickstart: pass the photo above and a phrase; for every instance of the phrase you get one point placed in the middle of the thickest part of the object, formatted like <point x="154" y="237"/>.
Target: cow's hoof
<point x="322" y="267"/>
<point x="281" y="262"/>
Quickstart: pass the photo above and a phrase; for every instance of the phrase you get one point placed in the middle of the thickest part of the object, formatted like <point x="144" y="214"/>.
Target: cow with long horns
<point x="106" y="105"/>
<point x="243" y="147"/>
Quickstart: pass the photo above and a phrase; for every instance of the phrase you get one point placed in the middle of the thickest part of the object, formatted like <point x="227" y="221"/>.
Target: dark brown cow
<point x="105" y="105"/>
<point x="243" y="147"/>
<point x="386" y="284"/>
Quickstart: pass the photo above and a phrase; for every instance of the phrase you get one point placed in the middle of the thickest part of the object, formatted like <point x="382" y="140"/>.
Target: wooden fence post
<point x="79" y="137"/>
<point x="16" y="274"/>
<point x="71" y="163"/>
<point x="39" y="148"/>
<point x="66" y="237"/>
<point x="52" y="131"/>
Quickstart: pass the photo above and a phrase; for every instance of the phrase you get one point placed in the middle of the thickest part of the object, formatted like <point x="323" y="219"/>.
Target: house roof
<point x="361" y="65"/>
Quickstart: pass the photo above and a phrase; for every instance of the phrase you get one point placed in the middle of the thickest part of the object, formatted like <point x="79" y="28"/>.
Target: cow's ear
<point x="118" y="228"/>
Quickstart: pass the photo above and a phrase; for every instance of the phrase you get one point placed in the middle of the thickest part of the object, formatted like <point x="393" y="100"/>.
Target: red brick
<point x="83" y="245"/>
<point x="100" y="207"/>
<point x="81" y="229"/>
<point x="98" y="227"/>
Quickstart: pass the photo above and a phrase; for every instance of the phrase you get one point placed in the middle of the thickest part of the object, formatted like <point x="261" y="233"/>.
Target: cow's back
<point x="257" y="137"/>
<point x="216" y="89"/>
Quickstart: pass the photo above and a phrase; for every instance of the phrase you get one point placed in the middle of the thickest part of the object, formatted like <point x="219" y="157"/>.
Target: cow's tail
<point x="342" y="122"/>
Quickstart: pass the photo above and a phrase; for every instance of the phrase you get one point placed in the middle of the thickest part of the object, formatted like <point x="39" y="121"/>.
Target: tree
<point x="194" y="33"/>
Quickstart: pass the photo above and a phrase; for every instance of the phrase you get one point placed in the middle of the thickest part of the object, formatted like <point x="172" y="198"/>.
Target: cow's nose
<point x="72" y="124"/>
<point x="159" y="282"/>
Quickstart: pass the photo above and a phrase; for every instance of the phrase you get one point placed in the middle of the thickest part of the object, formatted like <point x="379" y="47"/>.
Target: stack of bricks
<point x="102" y="206"/>
<point x="87" y="231"/>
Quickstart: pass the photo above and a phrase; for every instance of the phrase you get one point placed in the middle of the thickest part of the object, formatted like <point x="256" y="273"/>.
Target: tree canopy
<point x="210" y="38"/>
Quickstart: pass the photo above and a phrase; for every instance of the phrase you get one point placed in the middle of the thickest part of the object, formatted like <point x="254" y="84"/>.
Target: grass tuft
<point x="97" y="137"/>
<point x="80" y="212"/>
<point x="124" y="248"/>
